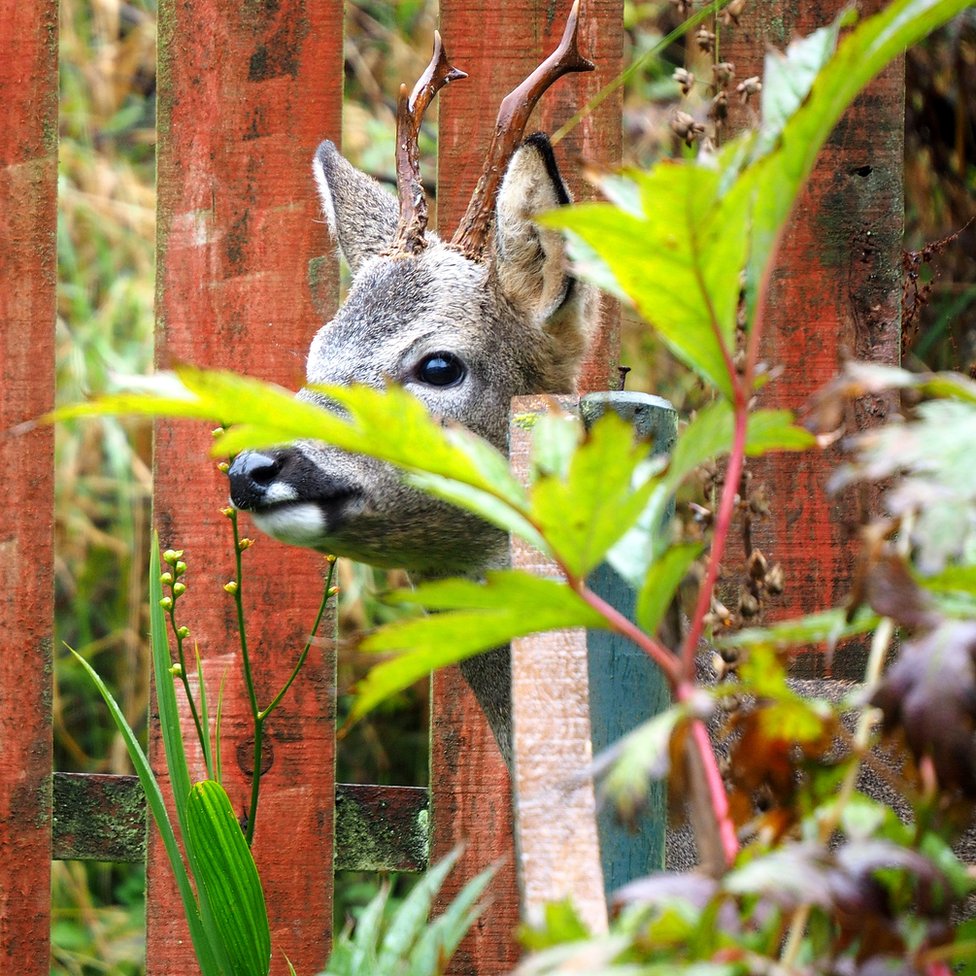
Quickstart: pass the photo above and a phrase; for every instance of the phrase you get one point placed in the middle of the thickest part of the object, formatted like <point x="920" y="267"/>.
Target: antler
<point x="410" y="112"/>
<point x="513" y="116"/>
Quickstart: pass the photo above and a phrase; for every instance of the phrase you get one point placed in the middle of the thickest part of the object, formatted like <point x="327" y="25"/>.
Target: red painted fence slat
<point x="835" y="293"/>
<point x="246" y="92"/>
<point x="499" y="43"/>
<point x="28" y="196"/>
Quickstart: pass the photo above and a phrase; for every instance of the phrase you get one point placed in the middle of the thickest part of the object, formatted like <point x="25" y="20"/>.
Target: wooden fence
<point x="246" y="91"/>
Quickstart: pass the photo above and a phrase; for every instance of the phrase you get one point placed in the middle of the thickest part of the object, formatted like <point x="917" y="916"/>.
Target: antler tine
<point x="410" y="113"/>
<point x="513" y="116"/>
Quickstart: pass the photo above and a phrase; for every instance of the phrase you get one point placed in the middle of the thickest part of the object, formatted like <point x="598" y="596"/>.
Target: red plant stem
<point x="716" y="791"/>
<point x="682" y="689"/>
<point x="723" y="524"/>
<point x="654" y="649"/>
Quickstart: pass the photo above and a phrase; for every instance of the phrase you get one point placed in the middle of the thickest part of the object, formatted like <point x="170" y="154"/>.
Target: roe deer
<point x="465" y="325"/>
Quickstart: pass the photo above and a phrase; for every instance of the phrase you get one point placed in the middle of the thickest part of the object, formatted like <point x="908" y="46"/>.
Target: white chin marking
<point x="300" y="524"/>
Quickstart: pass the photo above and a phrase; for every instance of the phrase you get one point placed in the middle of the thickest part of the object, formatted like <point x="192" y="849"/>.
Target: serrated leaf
<point x="778" y="175"/>
<point x="661" y="582"/>
<point x="364" y="947"/>
<point x="584" y="513"/>
<point x="473" y="617"/>
<point x="827" y="627"/>
<point x="440" y="939"/>
<point x="679" y="262"/>
<point x="223" y="866"/>
<point x="788" y="78"/>
<point x="709" y="436"/>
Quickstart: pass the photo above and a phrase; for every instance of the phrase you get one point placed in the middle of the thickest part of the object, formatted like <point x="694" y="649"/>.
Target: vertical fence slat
<point x="498" y="43"/>
<point x="836" y="292"/>
<point x="246" y="91"/>
<point x="28" y="260"/>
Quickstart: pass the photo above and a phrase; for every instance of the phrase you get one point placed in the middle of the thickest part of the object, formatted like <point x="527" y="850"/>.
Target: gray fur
<point x="517" y="320"/>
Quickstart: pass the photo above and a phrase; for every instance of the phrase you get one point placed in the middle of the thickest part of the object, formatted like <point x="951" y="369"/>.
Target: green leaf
<point x="709" y="436"/>
<point x="778" y="177"/>
<point x="474" y="616"/>
<point x="582" y="514"/>
<point x="169" y="712"/>
<point x="410" y="918"/>
<point x="662" y="581"/>
<point x="405" y="942"/>
<point x="640" y="757"/>
<point x="788" y="78"/>
<point x="223" y="866"/>
<point x="364" y="946"/>
<point x="679" y="262"/>
<point x="157" y="807"/>
<point x="827" y="627"/>
<point x="440" y="939"/>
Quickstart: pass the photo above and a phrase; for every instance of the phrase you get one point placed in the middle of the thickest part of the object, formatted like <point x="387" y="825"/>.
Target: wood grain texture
<point x="101" y="817"/>
<point x="555" y="803"/>
<point x="499" y="43"/>
<point x="835" y="293"/>
<point x="28" y="197"/>
<point x="246" y="91"/>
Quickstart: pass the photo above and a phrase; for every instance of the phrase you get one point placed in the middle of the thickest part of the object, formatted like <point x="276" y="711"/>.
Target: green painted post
<point x="625" y="686"/>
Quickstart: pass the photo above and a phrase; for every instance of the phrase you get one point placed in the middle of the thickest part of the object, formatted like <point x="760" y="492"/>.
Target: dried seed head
<point x="722" y="73"/>
<point x="685" y="127"/>
<point x="719" y="109"/>
<point x="748" y="604"/>
<point x="732" y="12"/>
<point x="775" y="580"/>
<point x="730" y="655"/>
<point x="705" y="39"/>
<point x="746" y="89"/>
<point x="757" y="564"/>
<point x="681" y="7"/>
<point x="684" y="78"/>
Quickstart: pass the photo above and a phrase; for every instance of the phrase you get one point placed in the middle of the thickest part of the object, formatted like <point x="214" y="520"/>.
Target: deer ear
<point x="361" y="215"/>
<point x="530" y="261"/>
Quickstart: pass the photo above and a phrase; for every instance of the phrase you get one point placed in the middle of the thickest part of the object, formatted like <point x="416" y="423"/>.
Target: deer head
<point x="465" y="325"/>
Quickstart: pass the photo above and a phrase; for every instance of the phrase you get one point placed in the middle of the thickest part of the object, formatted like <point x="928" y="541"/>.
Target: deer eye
<point x="441" y="369"/>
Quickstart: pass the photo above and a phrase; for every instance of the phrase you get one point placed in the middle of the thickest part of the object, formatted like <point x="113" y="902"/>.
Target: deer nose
<point x="250" y="475"/>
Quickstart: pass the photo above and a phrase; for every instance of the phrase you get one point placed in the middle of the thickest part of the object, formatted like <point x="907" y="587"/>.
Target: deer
<point x="465" y="325"/>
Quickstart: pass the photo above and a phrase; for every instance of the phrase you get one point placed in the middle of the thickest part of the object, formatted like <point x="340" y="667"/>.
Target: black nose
<point x="250" y="475"/>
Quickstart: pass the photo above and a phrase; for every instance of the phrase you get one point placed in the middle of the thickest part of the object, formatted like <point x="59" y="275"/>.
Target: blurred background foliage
<point x="105" y="323"/>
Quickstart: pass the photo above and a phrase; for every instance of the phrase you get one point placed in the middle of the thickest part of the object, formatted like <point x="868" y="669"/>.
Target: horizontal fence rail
<point x="101" y="817"/>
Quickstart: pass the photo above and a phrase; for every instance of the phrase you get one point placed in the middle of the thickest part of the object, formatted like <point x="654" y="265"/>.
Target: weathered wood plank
<point x="498" y="43"/>
<point x="555" y="802"/>
<point x="377" y="828"/>
<point x="28" y="191"/>
<point x="246" y="91"/>
<point x="839" y="266"/>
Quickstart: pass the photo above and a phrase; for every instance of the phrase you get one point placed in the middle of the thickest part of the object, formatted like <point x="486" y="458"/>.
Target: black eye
<point x="441" y="369"/>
